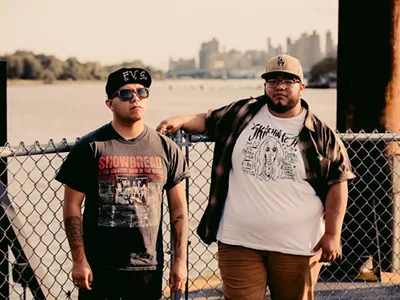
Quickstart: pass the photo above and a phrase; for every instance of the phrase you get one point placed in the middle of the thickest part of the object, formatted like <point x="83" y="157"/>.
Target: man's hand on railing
<point x="170" y="125"/>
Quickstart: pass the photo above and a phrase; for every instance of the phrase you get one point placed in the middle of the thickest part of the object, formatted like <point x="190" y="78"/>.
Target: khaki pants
<point x="246" y="272"/>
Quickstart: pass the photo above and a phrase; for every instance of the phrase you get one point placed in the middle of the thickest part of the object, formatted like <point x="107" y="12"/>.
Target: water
<point x="43" y="112"/>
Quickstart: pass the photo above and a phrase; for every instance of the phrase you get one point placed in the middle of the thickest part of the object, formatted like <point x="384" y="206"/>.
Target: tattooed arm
<point x="179" y="220"/>
<point x="179" y="226"/>
<point x="73" y="223"/>
<point x="81" y="272"/>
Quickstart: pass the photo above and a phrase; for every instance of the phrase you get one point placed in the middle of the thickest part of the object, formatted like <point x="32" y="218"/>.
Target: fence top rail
<point x="36" y="149"/>
<point x="181" y="139"/>
<point x="347" y="137"/>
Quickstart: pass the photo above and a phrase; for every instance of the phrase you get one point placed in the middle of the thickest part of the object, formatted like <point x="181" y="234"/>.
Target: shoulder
<point x="165" y="141"/>
<point x="238" y="104"/>
<point x="328" y="140"/>
<point x="99" y="134"/>
<point x="323" y="129"/>
<point x="233" y="108"/>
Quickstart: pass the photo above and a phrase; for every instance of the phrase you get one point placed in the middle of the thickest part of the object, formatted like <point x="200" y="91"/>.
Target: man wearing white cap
<point x="279" y="188"/>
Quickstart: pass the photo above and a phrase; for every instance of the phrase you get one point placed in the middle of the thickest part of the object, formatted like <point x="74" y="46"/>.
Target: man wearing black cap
<point x="118" y="251"/>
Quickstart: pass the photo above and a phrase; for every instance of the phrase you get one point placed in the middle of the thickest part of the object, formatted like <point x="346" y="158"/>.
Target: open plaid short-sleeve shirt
<point x="324" y="155"/>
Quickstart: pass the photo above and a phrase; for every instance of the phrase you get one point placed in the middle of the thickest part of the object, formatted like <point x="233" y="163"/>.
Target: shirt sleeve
<point x="75" y="170"/>
<point x="178" y="169"/>
<point x="217" y="122"/>
<point x="340" y="168"/>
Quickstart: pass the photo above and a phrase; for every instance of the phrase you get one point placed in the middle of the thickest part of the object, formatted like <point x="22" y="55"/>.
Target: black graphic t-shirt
<point x="123" y="181"/>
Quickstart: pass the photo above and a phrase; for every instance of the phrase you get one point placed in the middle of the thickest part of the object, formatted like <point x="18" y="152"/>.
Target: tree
<point x="72" y="69"/>
<point x="15" y="66"/>
<point x="51" y="63"/>
<point x="48" y="76"/>
<point x="32" y="67"/>
<point x="325" y="66"/>
<point x="27" y="65"/>
<point x="95" y="71"/>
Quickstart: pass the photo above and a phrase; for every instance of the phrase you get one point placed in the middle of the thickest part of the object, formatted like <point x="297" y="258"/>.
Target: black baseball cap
<point x="124" y="76"/>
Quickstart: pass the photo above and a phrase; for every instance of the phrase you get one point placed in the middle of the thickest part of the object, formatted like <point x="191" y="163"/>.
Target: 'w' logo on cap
<point x="281" y="62"/>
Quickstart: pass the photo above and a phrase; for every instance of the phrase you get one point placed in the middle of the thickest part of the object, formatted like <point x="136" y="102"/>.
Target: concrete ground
<point x="331" y="291"/>
<point x="211" y="289"/>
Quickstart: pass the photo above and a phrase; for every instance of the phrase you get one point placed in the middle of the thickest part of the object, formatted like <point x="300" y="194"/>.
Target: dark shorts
<point x="124" y="285"/>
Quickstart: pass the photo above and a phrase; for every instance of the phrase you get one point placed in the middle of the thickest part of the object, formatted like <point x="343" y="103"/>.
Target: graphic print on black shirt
<point x="270" y="154"/>
<point x="123" y="181"/>
<point x="127" y="188"/>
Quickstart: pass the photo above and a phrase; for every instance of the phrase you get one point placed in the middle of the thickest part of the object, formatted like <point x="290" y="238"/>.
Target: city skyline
<point x="152" y="31"/>
<point x="320" y="48"/>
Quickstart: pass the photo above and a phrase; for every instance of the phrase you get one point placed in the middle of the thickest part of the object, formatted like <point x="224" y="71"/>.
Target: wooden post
<point x="392" y="123"/>
<point x="368" y="99"/>
<point x="364" y="64"/>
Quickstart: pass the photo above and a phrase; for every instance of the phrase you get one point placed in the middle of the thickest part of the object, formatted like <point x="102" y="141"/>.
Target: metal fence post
<point x="178" y="138"/>
<point x="187" y="199"/>
<point x="396" y="214"/>
<point x="4" y="243"/>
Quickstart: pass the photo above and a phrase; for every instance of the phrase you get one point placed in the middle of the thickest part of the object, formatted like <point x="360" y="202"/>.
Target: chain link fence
<point x="36" y="263"/>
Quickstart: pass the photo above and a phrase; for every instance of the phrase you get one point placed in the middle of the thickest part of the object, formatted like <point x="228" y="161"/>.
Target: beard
<point x="279" y="107"/>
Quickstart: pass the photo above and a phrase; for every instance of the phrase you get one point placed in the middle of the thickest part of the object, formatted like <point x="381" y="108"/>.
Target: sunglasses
<point x="127" y="94"/>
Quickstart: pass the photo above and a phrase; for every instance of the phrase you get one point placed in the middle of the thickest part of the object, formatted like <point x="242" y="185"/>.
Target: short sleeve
<point x="340" y="168"/>
<point x="178" y="169"/>
<point x="75" y="170"/>
<point x="217" y="121"/>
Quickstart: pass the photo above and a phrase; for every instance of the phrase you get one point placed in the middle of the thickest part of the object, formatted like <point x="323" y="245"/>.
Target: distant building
<point x="307" y="49"/>
<point x="315" y="55"/>
<point x="272" y="51"/>
<point x="231" y="59"/>
<point x="256" y="57"/>
<point x="209" y="52"/>
<point x="330" y="49"/>
<point x="182" y="64"/>
<point x="217" y="64"/>
<point x="289" y="49"/>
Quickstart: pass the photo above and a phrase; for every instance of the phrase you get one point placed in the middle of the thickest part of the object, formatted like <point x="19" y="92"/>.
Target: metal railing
<point x="39" y="263"/>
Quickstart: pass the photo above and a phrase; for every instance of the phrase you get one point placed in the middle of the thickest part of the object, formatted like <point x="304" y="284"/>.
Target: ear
<point x="109" y="104"/>
<point x="302" y="87"/>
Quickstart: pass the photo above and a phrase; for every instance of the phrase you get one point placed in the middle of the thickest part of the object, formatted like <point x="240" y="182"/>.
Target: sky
<point x="112" y="31"/>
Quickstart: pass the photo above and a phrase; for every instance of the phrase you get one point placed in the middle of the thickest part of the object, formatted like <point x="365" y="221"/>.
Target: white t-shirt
<point x="269" y="205"/>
